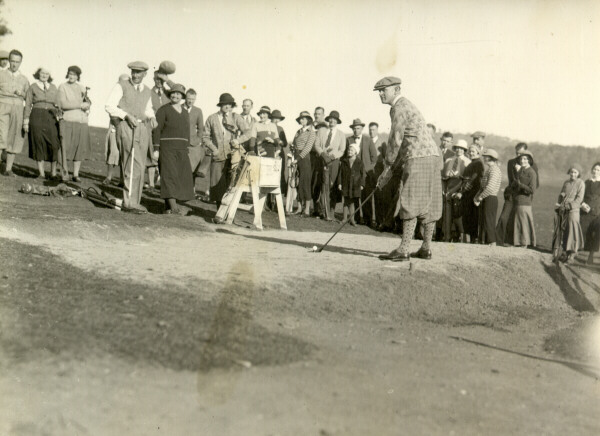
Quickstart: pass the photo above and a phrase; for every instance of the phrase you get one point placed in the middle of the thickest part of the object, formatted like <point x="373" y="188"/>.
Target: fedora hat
<point x="264" y="110"/>
<point x="176" y="88"/>
<point x="334" y="114"/>
<point x="357" y="122"/>
<point x="276" y="114"/>
<point x="491" y="153"/>
<point x="166" y="67"/>
<point x="461" y="143"/>
<point x="226" y="98"/>
<point x="304" y="114"/>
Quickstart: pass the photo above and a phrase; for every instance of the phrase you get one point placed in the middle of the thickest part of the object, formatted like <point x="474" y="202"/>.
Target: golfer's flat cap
<point x="478" y="134"/>
<point x="387" y="81"/>
<point x="138" y="65"/>
<point x="3" y="54"/>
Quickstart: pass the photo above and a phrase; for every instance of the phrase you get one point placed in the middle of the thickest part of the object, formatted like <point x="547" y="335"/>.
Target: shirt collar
<point x="41" y="84"/>
<point x="398" y="97"/>
<point x="375" y="138"/>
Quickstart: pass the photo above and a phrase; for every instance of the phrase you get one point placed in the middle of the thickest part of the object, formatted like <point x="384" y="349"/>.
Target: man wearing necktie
<point x="224" y="132"/>
<point x="414" y="159"/>
<point x="330" y="146"/>
<point x="368" y="156"/>
<point x="130" y="105"/>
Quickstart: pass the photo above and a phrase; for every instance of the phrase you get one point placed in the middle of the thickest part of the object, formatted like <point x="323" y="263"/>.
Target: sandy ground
<point x="116" y="324"/>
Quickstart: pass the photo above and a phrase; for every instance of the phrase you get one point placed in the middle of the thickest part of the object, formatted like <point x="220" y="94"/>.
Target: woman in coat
<point x="487" y="197"/>
<point x="522" y="188"/>
<point x="590" y="220"/>
<point x="567" y="209"/>
<point x="351" y="180"/>
<point x="454" y="168"/>
<point x="302" y="146"/>
<point x="172" y="136"/>
<point x="40" y="122"/>
<point x="74" y="129"/>
<point x="469" y="187"/>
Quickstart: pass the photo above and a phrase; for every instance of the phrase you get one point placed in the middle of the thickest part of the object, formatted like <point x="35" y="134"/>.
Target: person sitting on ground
<point x="523" y="188"/>
<point x="487" y="196"/>
<point x="567" y="214"/>
<point x="590" y="220"/>
<point x="351" y="180"/>
<point x="452" y="173"/>
<point x="41" y="123"/>
<point x="173" y="135"/>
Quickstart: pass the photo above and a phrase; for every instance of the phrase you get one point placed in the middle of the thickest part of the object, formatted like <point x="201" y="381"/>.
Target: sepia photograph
<point x="285" y="218"/>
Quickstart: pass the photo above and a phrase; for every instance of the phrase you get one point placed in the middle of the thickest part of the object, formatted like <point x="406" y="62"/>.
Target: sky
<point x="528" y="70"/>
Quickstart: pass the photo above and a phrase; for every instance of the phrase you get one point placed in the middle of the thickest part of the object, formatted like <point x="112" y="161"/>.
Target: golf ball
<point x="314" y="248"/>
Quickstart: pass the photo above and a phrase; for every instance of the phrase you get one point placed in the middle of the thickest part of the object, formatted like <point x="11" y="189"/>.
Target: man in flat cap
<point x="413" y="157"/>
<point x="130" y="105"/>
<point x="478" y="140"/>
<point x="3" y="60"/>
<point x="224" y="132"/>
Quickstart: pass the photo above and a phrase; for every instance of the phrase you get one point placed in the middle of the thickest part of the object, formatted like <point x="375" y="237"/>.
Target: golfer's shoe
<point x="422" y="254"/>
<point x="395" y="256"/>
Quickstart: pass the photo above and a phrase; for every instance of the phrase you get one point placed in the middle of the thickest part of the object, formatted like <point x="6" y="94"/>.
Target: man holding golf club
<point x="413" y="157"/>
<point x="130" y="105"/>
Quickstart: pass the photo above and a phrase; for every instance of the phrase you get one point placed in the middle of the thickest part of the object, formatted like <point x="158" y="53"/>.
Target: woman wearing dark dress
<point x="303" y="144"/>
<point x="173" y="135"/>
<point x="522" y="188"/>
<point x="469" y="187"/>
<point x="590" y="218"/>
<point x="40" y="122"/>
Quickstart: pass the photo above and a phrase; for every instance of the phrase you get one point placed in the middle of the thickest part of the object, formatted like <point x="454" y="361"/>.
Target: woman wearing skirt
<point x="487" y="196"/>
<point x="74" y="129"/>
<point x="568" y="205"/>
<point x="173" y="135"/>
<point x="522" y="188"/>
<point x="303" y="144"/>
<point x="40" y="122"/>
<point x="590" y="220"/>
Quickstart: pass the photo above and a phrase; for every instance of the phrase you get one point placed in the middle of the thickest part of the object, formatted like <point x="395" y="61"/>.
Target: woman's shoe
<point x="76" y="179"/>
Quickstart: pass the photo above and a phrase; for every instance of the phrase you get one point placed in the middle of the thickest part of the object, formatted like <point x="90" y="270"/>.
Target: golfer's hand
<point x="269" y="140"/>
<point x="131" y="121"/>
<point x="85" y="106"/>
<point x="153" y="123"/>
<point x="19" y="93"/>
<point x="26" y="128"/>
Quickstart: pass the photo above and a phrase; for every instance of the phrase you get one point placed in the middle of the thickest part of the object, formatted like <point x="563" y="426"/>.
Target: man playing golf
<point x="412" y="156"/>
<point x="130" y="105"/>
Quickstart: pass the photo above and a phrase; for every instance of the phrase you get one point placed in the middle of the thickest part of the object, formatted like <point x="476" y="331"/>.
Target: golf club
<point x="343" y="224"/>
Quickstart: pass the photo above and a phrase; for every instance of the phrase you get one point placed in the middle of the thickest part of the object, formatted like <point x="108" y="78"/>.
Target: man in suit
<point x="315" y="161"/>
<point x="377" y="140"/>
<point x="224" y="132"/>
<point x="196" y="150"/>
<point x="446" y="146"/>
<point x="246" y="115"/>
<point x="330" y="145"/>
<point x="368" y="156"/>
<point x="479" y="140"/>
<point x="413" y="157"/>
